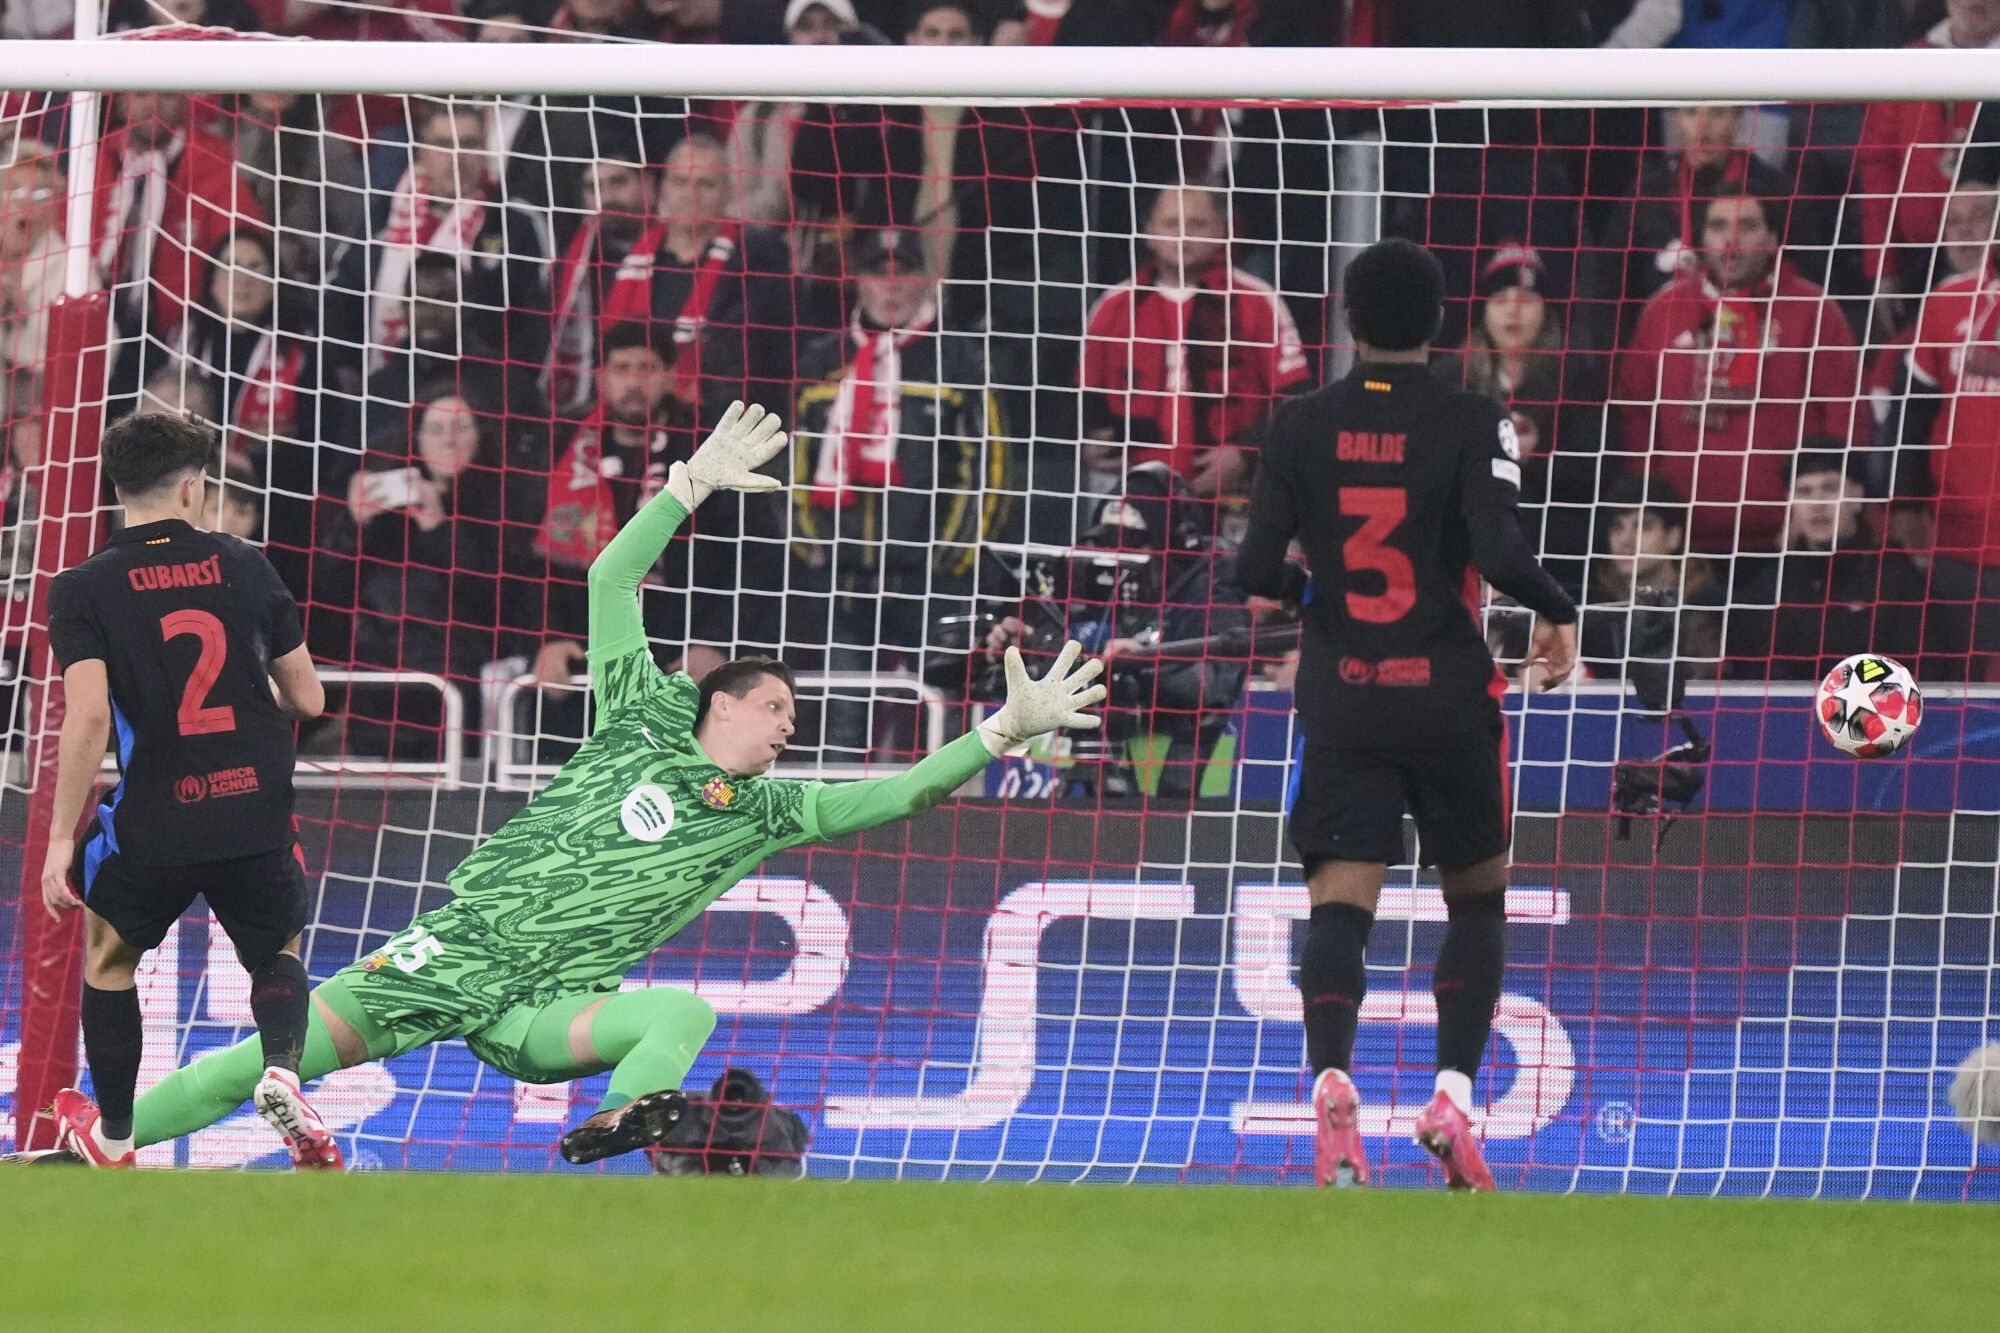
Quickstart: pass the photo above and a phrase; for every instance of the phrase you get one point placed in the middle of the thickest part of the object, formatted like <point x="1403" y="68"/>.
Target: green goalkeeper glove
<point x="744" y="440"/>
<point x="1037" y="706"/>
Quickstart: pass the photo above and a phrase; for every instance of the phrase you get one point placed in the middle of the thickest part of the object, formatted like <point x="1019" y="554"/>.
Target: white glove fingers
<point x="1017" y="671"/>
<point x="1063" y="661"/>
<point x="730" y="418"/>
<point x="1082" y="722"/>
<point x="1089" y="671"/>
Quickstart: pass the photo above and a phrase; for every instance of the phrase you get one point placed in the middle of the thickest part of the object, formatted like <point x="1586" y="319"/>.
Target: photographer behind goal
<point x="1150" y="590"/>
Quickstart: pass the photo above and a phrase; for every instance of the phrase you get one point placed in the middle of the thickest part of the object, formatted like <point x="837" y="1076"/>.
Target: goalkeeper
<point x="653" y="819"/>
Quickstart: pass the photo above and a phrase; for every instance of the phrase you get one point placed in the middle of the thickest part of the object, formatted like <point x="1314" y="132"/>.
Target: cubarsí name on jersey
<point x="188" y="574"/>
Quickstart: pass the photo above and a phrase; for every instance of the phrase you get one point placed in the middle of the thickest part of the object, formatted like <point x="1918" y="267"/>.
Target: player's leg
<point x="216" y="1086"/>
<point x="648" y="1039"/>
<point x="420" y="988"/>
<point x="114" y="1039"/>
<point x="128" y="910"/>
<point x="1460" y="801"/>
<point x="1470" y="963"/>
<point x="1346" y="824"/>
<point x="261" y="902"/>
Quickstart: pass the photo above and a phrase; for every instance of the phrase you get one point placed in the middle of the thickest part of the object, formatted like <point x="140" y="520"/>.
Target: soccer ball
<point x="1869" y="706"/>
<point x="1975" y="1094"/>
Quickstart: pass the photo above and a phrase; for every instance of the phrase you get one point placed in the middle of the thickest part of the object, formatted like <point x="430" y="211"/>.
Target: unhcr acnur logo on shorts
<point x="647" y="814"/>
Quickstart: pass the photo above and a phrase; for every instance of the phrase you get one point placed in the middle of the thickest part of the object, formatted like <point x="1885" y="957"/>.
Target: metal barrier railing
<point x="512" y="772"/>
<point x="448" y="769"/>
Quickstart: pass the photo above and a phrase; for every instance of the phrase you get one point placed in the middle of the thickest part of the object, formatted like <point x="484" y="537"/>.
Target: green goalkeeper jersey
<point x="632" y="839"/>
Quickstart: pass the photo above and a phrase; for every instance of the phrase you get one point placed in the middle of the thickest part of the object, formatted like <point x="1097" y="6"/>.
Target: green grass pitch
<point x="227" y="1250"/>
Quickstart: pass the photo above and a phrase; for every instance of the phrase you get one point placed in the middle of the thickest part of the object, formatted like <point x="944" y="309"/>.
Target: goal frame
<point x="1460" y="76"/>
<point x="891" y="73"/>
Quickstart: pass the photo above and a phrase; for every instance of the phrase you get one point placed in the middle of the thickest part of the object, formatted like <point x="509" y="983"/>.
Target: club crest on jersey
<point x="375" y="963"/>
<point x="716" y="793"/>
<point x="648" y="813"/>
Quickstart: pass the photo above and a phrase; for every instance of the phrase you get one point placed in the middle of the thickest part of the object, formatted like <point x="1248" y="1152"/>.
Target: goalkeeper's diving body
<point x="660" y="812"/>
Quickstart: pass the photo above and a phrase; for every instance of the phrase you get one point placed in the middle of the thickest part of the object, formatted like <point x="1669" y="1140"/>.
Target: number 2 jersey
<point x="187" y="624"/>
<point x="1402" y="490"/>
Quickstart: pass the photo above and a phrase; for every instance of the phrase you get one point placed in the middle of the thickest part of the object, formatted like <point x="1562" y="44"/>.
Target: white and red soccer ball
<point x="1869" y="706"/>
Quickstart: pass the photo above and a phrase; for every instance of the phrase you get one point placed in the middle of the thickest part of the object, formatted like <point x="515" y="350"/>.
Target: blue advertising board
<point x="1768" y="1004"/>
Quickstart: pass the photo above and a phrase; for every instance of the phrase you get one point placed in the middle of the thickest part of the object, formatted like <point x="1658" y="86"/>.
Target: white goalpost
<point x="1747" y="967"/>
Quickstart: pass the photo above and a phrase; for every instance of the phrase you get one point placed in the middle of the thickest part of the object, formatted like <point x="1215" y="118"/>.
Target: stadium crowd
<point x="451" y="347"/>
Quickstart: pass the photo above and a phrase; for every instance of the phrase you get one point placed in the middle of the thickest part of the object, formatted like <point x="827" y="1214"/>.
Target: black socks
<point x="1332" y="980"/>
<point x="113" y="1040"/>
<point x="1467" y="980"/>
<point x="279" y="996"/>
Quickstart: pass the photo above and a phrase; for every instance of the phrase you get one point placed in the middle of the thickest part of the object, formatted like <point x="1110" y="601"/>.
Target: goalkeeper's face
<point x="745" y="736"/>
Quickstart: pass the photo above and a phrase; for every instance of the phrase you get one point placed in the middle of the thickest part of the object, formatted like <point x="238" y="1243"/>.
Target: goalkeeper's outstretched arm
<point x="744" y="440"/>
<point x="1032" y="708"/>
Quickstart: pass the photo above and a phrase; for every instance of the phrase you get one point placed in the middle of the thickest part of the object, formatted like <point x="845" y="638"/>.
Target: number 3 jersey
<point x="1387" y="477"/>
<point x="187" y="624"/>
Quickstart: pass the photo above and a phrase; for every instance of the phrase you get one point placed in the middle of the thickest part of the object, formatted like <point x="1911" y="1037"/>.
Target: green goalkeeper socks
<point x="652" y="1038"/>
<point x="649" y="1038"/>
<point x="211" y="1089"/>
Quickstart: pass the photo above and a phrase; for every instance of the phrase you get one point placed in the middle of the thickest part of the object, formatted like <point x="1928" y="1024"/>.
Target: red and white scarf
<point x="268" y="404"/>
<point x="581" y="514"/>
<point x="418" y="222"/>
<point x="125" y="251"/>
<point x="573" y="339"/>
<point x="1737" y="324"/>
<point x="631" y="297"/>
<point x="865" y="425"/>
<point x="1685" y="251"/>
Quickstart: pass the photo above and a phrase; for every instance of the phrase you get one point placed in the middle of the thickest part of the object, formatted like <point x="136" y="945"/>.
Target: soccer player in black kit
<point x="188" y="645"/>
<point x="1398" y="487"/>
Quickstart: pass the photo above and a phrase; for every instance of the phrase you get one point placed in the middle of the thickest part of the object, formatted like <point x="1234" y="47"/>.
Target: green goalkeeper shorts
<point x="446" y="976"/>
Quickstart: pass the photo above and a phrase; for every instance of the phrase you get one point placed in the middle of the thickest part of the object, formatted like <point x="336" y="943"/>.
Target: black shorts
<point x="1351" y="801"/>
<point x="260" y="901"/>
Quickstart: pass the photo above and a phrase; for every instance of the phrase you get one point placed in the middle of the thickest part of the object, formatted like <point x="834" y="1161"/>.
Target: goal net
<point x="1025" y="351"/>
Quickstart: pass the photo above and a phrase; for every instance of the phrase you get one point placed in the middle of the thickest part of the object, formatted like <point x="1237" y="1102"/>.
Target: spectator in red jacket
<point x="1729" y="365"/>
<point x="1647" y="232"/>
<point x="1969" y="220"/>
<point x="1184" y="363"/>
<point x="1908" y="158"/>
<point x="1944" y="423"/>
<point x="167" y="193"/>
